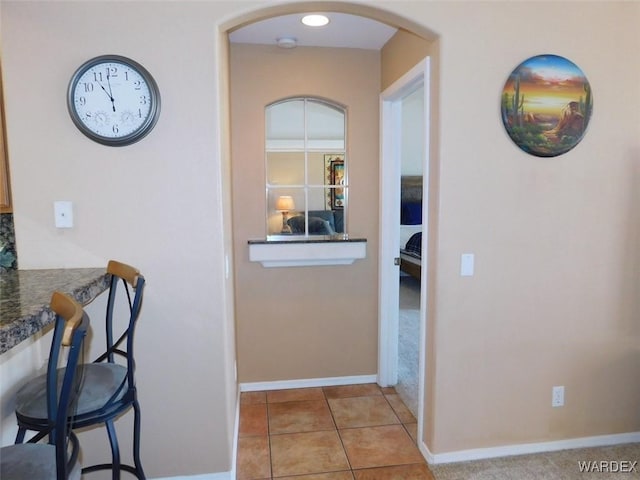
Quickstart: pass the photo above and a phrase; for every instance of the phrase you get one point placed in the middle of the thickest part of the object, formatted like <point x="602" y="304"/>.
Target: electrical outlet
<point x="557" y="396"/>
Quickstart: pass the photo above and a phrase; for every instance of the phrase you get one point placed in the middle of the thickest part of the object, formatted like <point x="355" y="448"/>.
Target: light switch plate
<point x="63" y="213"/>
<point x="467" y="265"/>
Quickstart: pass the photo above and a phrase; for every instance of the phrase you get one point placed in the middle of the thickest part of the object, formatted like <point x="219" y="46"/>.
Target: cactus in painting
<point x="586" y="108"/>
<point x="518" y="103"/>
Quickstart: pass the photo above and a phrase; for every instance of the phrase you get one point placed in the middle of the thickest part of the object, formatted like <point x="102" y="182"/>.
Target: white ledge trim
<point x="300" y="254"/>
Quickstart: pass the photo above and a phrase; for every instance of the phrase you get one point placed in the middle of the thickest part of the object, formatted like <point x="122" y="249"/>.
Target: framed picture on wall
<point x="334" y="179"/>
<point x="546" y="105"/>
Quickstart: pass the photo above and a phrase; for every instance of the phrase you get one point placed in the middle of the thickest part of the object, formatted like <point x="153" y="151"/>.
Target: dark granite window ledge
<point x="325" y="239"/>
<point x="25" y="297"/>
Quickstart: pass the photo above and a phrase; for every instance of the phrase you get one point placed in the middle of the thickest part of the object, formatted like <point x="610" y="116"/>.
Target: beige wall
<point x="156" y="204"/>
<point x="554" y="298"/>
<point x="553" y="301"/>
<point x="403" y="51"/>
<point x="304" y="322"/>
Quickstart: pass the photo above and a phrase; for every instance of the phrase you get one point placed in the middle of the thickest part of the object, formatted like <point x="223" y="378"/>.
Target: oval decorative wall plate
<point x="546" y="105"/>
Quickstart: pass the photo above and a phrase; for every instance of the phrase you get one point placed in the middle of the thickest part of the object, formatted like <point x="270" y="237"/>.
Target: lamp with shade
<point x="285" y="204"/>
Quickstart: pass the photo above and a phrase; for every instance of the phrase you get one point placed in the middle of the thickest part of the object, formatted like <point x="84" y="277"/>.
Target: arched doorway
<point x="384" y="354"/>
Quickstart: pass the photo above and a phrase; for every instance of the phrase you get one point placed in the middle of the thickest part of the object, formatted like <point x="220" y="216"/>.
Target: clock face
<point x="113" y="100"/>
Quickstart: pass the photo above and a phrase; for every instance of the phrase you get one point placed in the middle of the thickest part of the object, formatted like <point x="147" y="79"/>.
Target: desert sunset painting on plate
<point x="546" y="105"/>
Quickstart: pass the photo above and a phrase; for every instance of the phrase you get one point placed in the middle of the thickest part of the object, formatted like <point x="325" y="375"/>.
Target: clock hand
<point x="108" y="95"/>
<point x="110" y="92"/>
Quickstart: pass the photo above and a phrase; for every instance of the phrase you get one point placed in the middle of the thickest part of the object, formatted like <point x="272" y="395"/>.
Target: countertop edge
<point x="22" y="328"/>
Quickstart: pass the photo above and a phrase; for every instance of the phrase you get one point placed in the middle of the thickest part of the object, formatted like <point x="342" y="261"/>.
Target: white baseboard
<point x="206" y="476"/>
<point x="528" y="448"/>
<point x="463" y="455"/>
<point x="306" y="383"/>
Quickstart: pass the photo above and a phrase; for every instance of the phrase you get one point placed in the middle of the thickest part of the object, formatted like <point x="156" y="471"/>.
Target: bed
<point x="411" y="225"/>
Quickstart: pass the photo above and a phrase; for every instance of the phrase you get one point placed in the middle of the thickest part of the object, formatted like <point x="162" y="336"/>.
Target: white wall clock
<point x="113" y="100"/>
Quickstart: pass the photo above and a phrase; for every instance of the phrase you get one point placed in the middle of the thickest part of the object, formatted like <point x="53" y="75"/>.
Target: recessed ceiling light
<point x="315" y="20"/>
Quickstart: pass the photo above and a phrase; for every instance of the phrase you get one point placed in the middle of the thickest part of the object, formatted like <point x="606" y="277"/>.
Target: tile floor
<point x="351" y="432"/>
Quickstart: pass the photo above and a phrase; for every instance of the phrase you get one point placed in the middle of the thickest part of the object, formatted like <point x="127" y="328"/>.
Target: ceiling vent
<point x="287" y="42"/>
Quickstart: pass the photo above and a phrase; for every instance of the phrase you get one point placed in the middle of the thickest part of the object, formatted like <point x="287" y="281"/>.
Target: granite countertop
<point x="25" y="297"/>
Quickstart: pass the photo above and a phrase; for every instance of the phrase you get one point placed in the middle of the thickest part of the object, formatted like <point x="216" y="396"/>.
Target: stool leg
<point x="115" y="450"/>
<point x="136" y="440"/>
<point x="20" y="435"/>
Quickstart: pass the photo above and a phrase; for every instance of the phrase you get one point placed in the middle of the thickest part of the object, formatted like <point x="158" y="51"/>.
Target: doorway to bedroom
<point x="411" y="187"/>
<point x="404" y="212"/>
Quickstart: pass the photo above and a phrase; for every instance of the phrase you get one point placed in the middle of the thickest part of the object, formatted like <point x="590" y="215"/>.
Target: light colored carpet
<point x="615" y="462"/>
<point x="408" y="348"/>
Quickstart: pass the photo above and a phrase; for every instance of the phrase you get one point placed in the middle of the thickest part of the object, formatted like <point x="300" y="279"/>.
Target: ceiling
<point x="343" y="31"/>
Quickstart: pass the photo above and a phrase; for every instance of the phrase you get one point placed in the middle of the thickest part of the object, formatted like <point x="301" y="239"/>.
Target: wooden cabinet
<point x="5" y="186"/>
